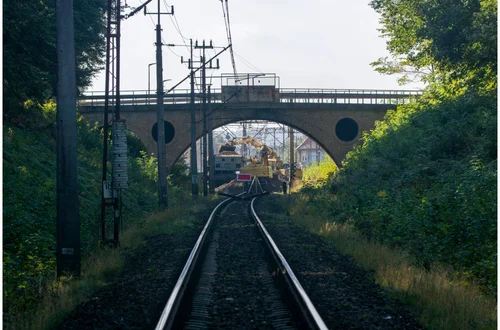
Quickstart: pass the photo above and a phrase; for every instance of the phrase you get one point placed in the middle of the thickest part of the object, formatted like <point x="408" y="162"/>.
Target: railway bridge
<point x="335" y="118"/>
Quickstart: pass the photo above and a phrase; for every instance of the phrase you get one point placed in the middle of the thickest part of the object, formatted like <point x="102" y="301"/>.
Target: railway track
<point x="236" y="277"/>
<point x="231" y="283"/>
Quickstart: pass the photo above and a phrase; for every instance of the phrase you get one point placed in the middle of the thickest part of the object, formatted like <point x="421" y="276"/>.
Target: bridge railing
<point x="286" y="95"/>
<point x="347" y="96"/>
<point x="138" y="97"/>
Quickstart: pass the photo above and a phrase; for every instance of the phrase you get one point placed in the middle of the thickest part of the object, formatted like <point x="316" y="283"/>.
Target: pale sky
<point x="308" y="44"/>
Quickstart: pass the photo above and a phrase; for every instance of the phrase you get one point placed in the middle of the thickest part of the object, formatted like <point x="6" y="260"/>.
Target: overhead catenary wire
<point x="227" y="23"/>
<point x="176" y="26"/>
<point x="247" y="63"/>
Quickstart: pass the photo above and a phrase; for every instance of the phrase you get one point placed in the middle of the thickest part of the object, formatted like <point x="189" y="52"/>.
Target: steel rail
<point x="170" y="309"/>
<point x="312" y="315"/>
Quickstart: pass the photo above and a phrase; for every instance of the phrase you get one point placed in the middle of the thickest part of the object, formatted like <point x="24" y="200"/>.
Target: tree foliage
<point x="452" y="40"/>
<point x="425" y="180"/>
<point x="29" y="49"/>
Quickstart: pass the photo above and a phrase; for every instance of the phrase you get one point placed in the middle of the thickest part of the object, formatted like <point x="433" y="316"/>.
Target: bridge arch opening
<point x="273" y="134"/>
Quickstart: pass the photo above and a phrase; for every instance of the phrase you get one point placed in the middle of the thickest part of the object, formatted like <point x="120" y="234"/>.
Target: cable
<point x="247" y="63"/>
<point x="170" y="49"/>
<point x="227" y="23"/>
<point x="176" y="25"/>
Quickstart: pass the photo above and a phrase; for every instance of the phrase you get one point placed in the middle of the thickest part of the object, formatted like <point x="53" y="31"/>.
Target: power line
<point x="177" y="26"/>
<point x="227" y="23"/>
<point x="247" y="63"/>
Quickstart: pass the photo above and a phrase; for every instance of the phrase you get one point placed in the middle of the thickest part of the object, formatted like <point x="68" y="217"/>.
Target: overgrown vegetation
<point x="64" y="295"/>
<point x="425" y="179"/>
<point x="29" y="160"/>
<point x="29" y="205"/>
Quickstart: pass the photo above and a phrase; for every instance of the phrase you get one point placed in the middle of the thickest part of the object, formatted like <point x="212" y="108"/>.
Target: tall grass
<point x="442" y="299"/>
<point x="64" y="295"/>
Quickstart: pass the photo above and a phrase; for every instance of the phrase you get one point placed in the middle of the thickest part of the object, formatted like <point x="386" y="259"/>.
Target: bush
<point x="425" y="180"/>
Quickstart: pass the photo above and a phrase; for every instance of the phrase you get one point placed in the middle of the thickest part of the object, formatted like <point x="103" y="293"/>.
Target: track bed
<point x="236" y="289"/>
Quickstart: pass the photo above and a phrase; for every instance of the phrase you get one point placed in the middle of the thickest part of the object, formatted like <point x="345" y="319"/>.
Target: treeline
<point x="425" y="179"/>
<point x="30" y="58"/>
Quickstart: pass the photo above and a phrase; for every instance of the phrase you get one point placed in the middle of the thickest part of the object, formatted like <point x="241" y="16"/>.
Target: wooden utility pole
<point x="68" y="216"/>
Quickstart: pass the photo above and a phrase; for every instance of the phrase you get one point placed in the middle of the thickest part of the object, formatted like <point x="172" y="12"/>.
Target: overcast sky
<point x="308" y="44"/>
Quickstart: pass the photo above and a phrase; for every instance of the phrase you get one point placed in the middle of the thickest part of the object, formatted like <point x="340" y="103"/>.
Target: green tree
<point x="29" y="49"/>
<point x="445" y="41"/>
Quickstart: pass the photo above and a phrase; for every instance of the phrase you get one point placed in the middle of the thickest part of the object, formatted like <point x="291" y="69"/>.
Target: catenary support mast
<point x="68" y="213"/>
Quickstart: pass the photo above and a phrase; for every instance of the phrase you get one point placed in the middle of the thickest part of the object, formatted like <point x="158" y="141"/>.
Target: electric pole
<point x="68" y="213"/>
<point x="204" y="100"/>
<point x="194" y="166"/>
<point x="194" y="163"/>
<point x="160" y="115"/>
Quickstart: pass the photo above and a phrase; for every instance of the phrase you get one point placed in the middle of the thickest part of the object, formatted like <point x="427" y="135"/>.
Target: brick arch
<point x="284" y="123"/>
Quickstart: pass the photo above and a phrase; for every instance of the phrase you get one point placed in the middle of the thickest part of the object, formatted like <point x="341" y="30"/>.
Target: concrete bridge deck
<point x="336" y="119"/>
<point x="285" y="95"/>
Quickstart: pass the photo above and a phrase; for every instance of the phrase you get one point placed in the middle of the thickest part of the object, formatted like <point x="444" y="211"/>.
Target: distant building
<point x="309" y="152"/>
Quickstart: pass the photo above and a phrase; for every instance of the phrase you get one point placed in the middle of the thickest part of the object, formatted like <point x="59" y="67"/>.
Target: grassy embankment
<point x="416" y="203"/>
<point x="32" y="296"/>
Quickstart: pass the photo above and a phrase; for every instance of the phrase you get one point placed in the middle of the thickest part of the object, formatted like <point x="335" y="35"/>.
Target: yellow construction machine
<point x="263" y="167"/>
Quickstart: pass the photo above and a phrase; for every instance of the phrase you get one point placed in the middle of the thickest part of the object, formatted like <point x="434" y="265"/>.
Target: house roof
<point x="300" y="145"/>
<point x="311" y="140"/>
